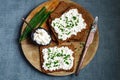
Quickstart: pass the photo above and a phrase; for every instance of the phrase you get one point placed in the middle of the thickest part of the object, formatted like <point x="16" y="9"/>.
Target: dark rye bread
<point x="70" y="46"/>
<point x="64" y="7"/>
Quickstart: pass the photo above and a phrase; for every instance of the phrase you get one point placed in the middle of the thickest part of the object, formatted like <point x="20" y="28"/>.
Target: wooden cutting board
<point x="31" y="51"/>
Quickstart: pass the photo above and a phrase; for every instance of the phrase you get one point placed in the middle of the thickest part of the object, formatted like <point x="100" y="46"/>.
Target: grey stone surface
<point x="104" y="66"/>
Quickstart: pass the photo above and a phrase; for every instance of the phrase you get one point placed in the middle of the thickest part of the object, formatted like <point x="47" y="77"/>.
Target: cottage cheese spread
<point x="70" y="23"/>
<point x="56" y="58"/>
<point x="40" y="36"/>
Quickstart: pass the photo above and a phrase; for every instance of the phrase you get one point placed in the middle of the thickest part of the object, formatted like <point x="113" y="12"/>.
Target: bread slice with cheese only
<point x="57" y="58"/>
<point x="62" y="8"/>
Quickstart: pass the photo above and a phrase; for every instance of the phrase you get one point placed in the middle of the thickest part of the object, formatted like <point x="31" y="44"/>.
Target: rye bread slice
<point x="64" y="7"/>
<point x="70" y="46"/>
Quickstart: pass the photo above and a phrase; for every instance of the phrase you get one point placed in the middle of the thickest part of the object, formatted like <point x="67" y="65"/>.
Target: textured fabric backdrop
<point x="104" y="66"/>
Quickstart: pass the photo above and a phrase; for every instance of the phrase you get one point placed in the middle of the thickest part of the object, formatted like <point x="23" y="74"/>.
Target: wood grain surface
<point x="31" y="51"/>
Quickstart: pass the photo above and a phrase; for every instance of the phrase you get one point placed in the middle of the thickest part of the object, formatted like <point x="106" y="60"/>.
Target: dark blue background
<point x="104" y="66"/>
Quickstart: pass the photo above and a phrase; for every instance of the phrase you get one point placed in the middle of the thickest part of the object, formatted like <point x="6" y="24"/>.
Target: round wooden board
<point x="31" y="51"/>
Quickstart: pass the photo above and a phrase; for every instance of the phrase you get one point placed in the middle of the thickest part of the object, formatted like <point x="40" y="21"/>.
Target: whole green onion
<point x="39" y="18"/>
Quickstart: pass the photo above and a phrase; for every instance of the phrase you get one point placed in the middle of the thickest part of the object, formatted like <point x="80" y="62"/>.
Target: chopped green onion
<point x="74" y="17"/>
<point x="49" y="50"/>
<point x="67" y="63"/>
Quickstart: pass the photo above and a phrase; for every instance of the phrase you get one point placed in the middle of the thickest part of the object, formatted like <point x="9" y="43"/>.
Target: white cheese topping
<point x="41" y="37"/>
<point x="70" y="23"/>
<point x="56" y="58"/>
